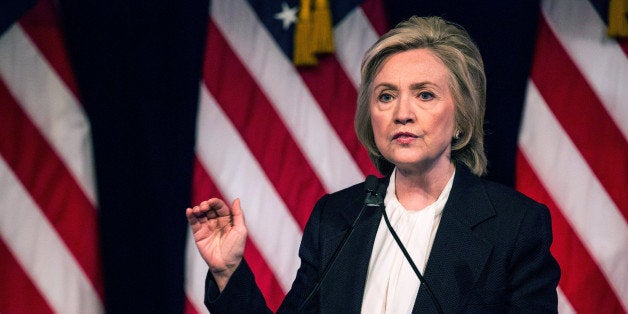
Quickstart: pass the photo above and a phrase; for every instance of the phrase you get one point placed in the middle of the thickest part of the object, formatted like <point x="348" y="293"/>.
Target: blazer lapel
<point x="458" y="255"/>
<point x="343" y="290"/>
<point x="457" y="258"/>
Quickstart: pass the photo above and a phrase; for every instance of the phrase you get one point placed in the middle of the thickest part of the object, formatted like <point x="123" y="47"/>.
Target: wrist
<point x="221" y="277"/>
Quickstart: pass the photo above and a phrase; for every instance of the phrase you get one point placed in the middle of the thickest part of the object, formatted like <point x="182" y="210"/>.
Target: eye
<point x="385" y="97"/>
<point x="426" y="96"/>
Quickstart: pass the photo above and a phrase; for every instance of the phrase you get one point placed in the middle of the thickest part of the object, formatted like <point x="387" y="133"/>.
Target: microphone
<point x="371" y="200"/>
<point x="381" y="189"/>
<point x="374" y="199"/>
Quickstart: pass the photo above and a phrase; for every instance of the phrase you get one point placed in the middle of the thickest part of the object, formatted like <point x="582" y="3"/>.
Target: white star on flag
<point x="287" y="15"/>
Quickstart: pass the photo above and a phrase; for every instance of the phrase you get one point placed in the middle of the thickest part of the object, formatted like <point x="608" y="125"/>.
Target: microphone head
<point x="371" y="183"/>
<point x="374" y="192"/>
<point x="381" y="190"/>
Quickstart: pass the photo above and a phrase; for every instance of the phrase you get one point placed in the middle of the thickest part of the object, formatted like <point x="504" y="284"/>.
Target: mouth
<point x="404" y="137"/>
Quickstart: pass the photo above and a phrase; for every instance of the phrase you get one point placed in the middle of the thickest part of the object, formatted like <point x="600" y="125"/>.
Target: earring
<point x="457" y="135"/>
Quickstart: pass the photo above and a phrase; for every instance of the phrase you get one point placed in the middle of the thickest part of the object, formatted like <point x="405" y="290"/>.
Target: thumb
<point x="238" y="214"/>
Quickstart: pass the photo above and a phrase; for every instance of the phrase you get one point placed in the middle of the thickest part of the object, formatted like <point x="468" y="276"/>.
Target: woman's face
<point x="412" y="110"/>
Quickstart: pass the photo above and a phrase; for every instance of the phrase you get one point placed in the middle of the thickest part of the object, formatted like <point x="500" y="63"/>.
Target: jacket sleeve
<point x="241" y="295"/>
<point x="534" y="273"/>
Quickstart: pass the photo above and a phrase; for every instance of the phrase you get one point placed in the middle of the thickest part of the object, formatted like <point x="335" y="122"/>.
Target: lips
<point x="404" y="134"/>
<point x="404" y="137"/>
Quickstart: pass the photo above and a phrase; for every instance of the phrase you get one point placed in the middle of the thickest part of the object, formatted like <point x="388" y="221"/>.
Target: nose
<point x="403" y="111"/>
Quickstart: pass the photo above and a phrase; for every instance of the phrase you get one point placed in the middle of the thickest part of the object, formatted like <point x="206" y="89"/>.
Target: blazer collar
<point x="467" y="201"/>
<point x="353" y="209"/>
<point x="455" y="262"/>
<point x="458" y="256"/>
<point x="344" y="293"/>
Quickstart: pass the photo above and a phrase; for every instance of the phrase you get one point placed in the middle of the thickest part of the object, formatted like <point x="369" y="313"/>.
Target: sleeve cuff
<point x="239" y="296"/>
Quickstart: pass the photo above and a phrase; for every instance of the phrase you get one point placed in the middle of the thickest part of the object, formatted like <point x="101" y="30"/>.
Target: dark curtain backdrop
<point x="138" y="65"/>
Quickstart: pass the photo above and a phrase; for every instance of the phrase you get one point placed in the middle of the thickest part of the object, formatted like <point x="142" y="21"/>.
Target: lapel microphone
<point x="373" y="199"/>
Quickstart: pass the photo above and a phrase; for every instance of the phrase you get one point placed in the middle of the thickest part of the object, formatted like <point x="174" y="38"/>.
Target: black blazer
<point x="490" y="254"/>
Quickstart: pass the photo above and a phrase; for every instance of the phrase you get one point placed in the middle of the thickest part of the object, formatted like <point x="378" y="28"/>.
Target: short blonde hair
<point x="467" y="82"/>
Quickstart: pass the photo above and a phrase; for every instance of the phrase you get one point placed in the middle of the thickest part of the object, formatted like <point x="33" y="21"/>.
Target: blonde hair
<point x="467" y="82"/>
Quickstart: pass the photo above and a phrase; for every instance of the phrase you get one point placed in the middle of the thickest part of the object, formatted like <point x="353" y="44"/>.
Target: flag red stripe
<point x="262" y="129"/>
<point x="376" y="13"/>
<point x="264" y="276"/>
<point x="189" y="308"/>
<point x="36" y="165"/>
<point x="205" y="188"/>
<point x="580" y="274"/>
<point x="585" y="119"/>
<point x="623" y="43"/>
<point x="19" y="295"/>
<point x="42" y="26"/>
<point x="336" y="96"/>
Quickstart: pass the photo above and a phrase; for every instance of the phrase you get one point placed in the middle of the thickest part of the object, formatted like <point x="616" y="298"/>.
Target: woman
<point x="482" y="247"/>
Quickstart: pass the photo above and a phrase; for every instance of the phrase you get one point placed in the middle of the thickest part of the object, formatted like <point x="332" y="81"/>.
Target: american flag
<point x="573" y="152"/>
<point x="276" y="136"/>
<point x="49" y="255"/>
<point x="279" y="136"/>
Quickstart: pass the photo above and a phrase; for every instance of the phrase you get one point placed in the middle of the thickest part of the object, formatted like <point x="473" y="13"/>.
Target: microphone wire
<point x="407" y="255"/>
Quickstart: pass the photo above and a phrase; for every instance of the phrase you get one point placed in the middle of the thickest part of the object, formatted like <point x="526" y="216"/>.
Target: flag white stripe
<point x="288" y="93"/>
<point x="564" y="307"/>
<point x="576" y="190"/>
<point x="195" y="272"/>
<point x="604" y="65"/>
<point x="33" y="83"/>
<point x="349" y="49"/>
<point x="41" y="252"/>
<point x="270" y="224"/>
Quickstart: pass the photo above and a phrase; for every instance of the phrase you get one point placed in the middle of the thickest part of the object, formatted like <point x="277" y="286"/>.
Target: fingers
<point x="189" y="213"/>
<point x="198" y="213"/>
<point x="209" y="209"/>
<point x="216" y="208"/>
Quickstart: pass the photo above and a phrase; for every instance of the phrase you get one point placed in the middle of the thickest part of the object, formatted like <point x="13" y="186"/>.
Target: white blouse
<point x="391" y="285"/>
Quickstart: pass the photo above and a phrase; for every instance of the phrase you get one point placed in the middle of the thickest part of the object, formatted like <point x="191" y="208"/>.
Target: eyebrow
<point x="385" y="85"/>
<point x="421" y="85"/>
<point x="413" y="86"/>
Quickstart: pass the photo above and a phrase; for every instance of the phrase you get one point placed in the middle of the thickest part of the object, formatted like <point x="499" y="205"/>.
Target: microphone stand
<point x="370" y="185"/>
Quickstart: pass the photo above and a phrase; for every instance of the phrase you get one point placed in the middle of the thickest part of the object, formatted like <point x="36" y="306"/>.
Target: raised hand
<point x="220" y="235"/>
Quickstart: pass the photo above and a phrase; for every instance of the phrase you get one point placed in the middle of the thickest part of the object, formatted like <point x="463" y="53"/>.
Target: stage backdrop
<point x="115" y="116"/>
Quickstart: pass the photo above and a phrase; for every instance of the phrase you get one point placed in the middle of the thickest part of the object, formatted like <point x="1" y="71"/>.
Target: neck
<point x="416" y="189"/>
